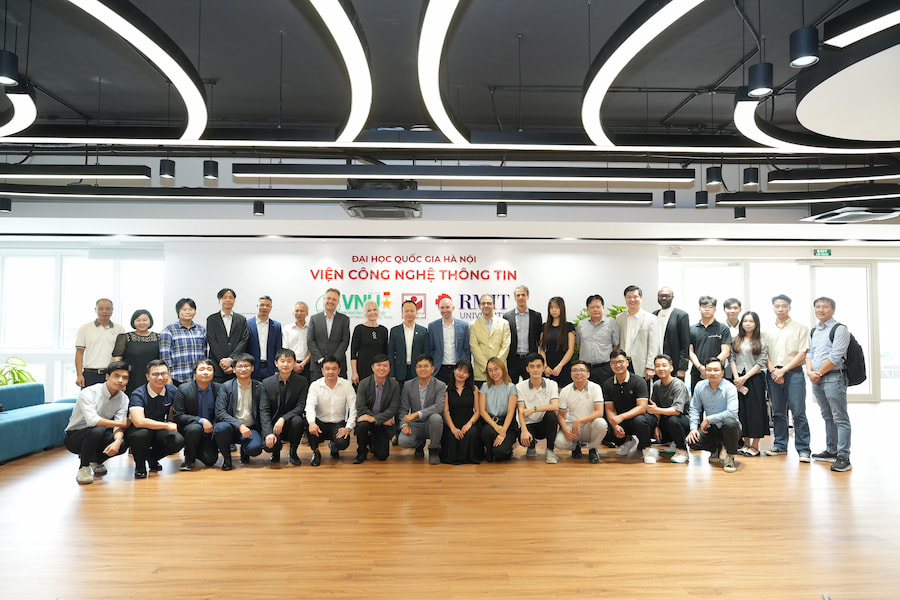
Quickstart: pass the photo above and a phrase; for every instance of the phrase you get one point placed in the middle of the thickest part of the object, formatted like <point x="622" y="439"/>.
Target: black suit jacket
<point x="187" y="403"/>
<point x="227" y="399"/>
<point x="222" y="345"/>
<point x="534" y="331"/>
<point x="390" y="399"/>
<point x="271" y="408"/>
<point x="677" y="338"/>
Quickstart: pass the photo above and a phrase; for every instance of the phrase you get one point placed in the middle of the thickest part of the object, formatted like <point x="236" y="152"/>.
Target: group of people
<point x="463" y="392"/>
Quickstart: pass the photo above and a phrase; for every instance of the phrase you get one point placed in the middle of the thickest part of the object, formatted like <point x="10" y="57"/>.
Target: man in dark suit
<point x="226" y="334"/>
<point x="237" y="413"/>
<point x="329" y="335"/>
<point x="524" y="334"/>
<point x="265" y="339"/>
<point x="377" y="400"/>
<point x="282" y="407"/>
<point x="421" y="406"/>
<point x="407" y="341"/>
<point x="447" y="351"/>
<point x="195" y="413"/>
<point x="675" y="327"/>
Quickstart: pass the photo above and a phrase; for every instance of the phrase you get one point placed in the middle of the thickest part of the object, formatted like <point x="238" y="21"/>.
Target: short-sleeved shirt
<point x="786" y="340"/>
<point x="707" y="341"/>
<point x="675" y="395"/>
<point x="497" y="398"/>
<point x="97" y="342"/>
<point x="624" y="395"/>
<point x="532" y="397"/>
<point x="155" y="407"/>
<point x="579" y="403"/>
<point x="595" y="342"/>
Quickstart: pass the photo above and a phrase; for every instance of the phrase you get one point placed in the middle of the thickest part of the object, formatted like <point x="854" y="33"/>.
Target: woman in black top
<point x="369" y="339"/>
<point x="137" y="348"/>
<point x="557" y="343"/>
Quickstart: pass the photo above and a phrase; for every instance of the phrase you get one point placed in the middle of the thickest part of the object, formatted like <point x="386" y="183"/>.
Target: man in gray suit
<point x="421" y="406"/>
<point x="329" y="334"/>
<point x="227" y="335"/>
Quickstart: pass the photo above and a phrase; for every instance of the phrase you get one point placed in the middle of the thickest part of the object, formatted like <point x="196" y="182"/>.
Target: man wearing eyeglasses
<point x="421" y="406"/>
<point x="626" y="398"/>
<point x="580" y="414"/>
<point x="152" y="433"/>
<point x="237" y="413"/>
<point x="716" y="398"/>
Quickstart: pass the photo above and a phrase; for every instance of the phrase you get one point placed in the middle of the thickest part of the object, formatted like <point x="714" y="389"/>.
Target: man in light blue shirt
<point x="718" y="399"/>
<point x="825" y="368"/>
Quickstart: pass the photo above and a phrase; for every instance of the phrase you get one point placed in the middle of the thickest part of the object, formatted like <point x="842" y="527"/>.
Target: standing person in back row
<point x="488" y="338"/>
<point x="674" y="332"/>
<point x="94" y="345"/>
<point x="709" y="339"/>
<point x="596" y="338"/>
<point x="265" y="340"/>
<point x="638" y="333"/>
<point x="825" y="364"/>
<point x="524" y="334"/>
<point x="329" y="335"/>
<point x="226" y="334"/>
<point x="448" y="340"/>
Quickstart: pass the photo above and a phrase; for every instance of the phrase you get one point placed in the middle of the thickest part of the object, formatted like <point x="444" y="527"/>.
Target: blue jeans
<point x="831" y="394"/>
<point x="790" y="394"/>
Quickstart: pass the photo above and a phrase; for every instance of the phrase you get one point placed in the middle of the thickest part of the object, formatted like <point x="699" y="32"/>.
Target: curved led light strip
<point x="746" y="122"/>
<point x="613" y="66"/>
<point x="187" y="84"/>
<point x="433" y="36"/>
<point x="24" y="112"/>
<point x="354" y="55"/>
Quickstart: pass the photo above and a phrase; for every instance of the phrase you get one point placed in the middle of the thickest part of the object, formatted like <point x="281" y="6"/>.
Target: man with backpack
<point x="826" y="368"/>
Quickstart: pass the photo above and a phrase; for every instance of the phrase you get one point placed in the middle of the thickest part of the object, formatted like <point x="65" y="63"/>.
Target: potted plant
<point x="13" y="371"/>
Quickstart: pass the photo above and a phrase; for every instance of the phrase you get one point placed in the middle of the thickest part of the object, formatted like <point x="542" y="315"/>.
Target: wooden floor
<point x="404" y="529"/>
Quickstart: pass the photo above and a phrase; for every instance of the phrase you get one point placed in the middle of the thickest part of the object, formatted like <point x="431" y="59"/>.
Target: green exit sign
<point x="822" y="252"/>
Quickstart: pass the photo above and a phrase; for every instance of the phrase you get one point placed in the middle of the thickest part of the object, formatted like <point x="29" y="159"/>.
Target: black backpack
<point x="854" y="361"/>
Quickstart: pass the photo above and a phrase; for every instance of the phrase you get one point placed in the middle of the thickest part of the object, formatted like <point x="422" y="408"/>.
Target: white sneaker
<point x="550" y="457"/>
<point x="649" y="455"/>
<point x="670" y="449"/>
<point x="681" y="456"/>
<point x="98" y="468"/>
<point x="84" y="475"/>
<point x="628" y="447"/>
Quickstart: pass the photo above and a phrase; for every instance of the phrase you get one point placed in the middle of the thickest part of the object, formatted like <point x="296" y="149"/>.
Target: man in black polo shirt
<point x="709" y="339"/>
<point x="625" y="396"/>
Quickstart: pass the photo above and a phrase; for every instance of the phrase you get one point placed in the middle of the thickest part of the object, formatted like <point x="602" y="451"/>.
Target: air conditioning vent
<point x="382" y="185"/>
<point x="384" y="209"/>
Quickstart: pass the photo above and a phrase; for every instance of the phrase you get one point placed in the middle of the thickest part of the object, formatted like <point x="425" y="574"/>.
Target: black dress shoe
<point x="154" y="465"/>
<point x="295" y="460"/>
<point x="245" y="459"/>
<point x="140" y="473"/>
<point x="360" y="459"/>
<point x="276" y="458"/>
<point x="316" y="459"/>
<point x="226" y="465"/>
<point x="335" y="453"/>
<point x="395" y="441"/>
<point x="186" y="465"/>
<point x="420" y="453"/>
<point x="593" y="456"/>
<point x="576" y="453"/>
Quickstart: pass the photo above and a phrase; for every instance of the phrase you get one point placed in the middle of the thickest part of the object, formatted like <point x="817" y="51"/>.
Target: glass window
<point x="690" y="280"/>
<point x="84" y="281"/>
<point x="768" y="279"/>
<point x="888" y="278"/>
<point x="141" y="287"/>
<point x="29" y="300"/>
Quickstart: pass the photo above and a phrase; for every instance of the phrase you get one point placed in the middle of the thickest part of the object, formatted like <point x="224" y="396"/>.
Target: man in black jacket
<point x="282" y="407"/>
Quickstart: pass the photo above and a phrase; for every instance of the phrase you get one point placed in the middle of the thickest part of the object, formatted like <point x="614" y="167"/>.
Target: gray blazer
<point x="321" y="344"/>
<point x="435" y="396"/>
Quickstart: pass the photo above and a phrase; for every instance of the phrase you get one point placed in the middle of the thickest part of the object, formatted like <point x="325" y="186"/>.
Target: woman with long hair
<point x="749" y="368"/>
<point x="497" y="406"/>
<point x="557" y="343"/>
<point x="460" y="443"/>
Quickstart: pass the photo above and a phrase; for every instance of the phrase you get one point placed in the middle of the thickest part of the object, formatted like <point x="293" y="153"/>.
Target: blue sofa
<point x="27" y="424"/>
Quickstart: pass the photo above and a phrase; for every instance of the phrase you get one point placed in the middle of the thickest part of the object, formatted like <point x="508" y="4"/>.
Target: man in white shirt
<point x="226" y="334"/>
<point x="407" y="341"/>
<point x="580" y="414"/>
<point x="488" y="337"/>
<point x="638" y="333"/>
<point x="296" y="338"/>
<point x="732" y="308"/>
<point x="524" y="334"/>
<point x="330" y="411"/>
<point x="265" y="339"/>
<point x="96" y="429"/>
<point x="94" y="344"/>
<point x="448" y="340"/>
<point x="537" y="405"/>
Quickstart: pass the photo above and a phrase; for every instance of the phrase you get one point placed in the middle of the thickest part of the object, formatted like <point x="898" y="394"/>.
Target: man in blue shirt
<point x="152" y="434"/>
<point x="718" y="399"/>
<point x="825" y="368"/>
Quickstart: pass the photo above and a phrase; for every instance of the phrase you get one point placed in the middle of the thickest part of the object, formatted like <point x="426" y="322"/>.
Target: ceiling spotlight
<point x="501" y="209"/>
<point x="804" y="47"/>
<point x="210" y="169"/>
<point x="740" y="213"/>
<point x="167" y="168"/>
<point x="669" y="199"/>
<point x="702" y="199"/>
<point x="5" y="205"/>
<point x="259" y="208"/>
<point x="713" y="175"/>
<point x="9" y="68"/>
<point x="760" y="80"/>
<point x="751" y="177"/>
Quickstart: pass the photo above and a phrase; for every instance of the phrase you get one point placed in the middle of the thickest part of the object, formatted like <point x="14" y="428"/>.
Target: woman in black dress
<point x="557" y="343"/>
<point x="137" y="348"/>
<point x="369" y="339"/>
<point x="460" y="444"/>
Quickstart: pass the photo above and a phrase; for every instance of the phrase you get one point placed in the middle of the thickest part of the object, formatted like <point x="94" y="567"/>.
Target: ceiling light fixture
<point x="847" y="193"/>
<point x="210" y="169"/>
<point x="167" y="168"/>
<point x="350" y="43"/>
<point x="432" y="38"/>
<point x="713" y="176"/>
<point x="501" y="209"/>
<point x="701" y="199"/>
<point x="857" y="174"/>
<point x="24" y="110"/>
<point x="464" y="172"/>
<point x="760" y="80"/>
<point x="804" y="47"/>
<point x="751" y="177"/>
<point x="740" y="213"/>
<point x="5" y="205"/>
<point x="9" y="68"/>
<point x="74" y="172"/>
<point x="861" y="22"/>
<point x="142" y="33"/>
<point x="669" y="199"/>
<point x="259" y="208"/>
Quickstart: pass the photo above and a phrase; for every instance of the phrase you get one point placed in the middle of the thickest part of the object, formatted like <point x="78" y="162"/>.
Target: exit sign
<point x="822" y="252"/>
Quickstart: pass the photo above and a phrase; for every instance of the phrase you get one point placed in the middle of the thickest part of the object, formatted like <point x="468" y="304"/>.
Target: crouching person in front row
<point x="718" y="399"/>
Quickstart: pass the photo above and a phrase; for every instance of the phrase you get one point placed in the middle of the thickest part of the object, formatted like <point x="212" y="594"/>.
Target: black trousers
<point x="199" y="444"/>
<point x="329" y="432"/>
<point x="445" y="374"/>
<point x="545" y="429"/>
<point x="674" y="428"/>
<point x="505" y="450"/>
<point x="715" y="437"/>
<point x="88" y="444"/>
<point x="600" y="372"/>
<point x="641" y="426"/>
<point x="374" y="436"/>
<point x="152" y="443"/>
<point x="294" y="428"/>
<point x="515" y="365"/>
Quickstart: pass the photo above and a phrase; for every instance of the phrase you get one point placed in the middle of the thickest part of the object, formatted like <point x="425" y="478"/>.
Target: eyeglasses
<point x="618" y="362"/>
<point x="664" y="295"/>
<point x="579" y="371"/>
